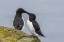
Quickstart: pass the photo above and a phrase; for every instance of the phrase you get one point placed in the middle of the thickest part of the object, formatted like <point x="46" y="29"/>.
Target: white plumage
<point x="24" y="25"/>
<point x="31" y="28"/>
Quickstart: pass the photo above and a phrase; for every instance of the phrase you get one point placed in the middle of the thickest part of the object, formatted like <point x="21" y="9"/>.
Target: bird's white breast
<point x="31" y="28"/>
<point x="24" y="24"/>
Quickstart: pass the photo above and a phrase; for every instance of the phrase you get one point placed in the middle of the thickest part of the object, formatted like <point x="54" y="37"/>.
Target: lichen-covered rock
<point x="12" y="35"/>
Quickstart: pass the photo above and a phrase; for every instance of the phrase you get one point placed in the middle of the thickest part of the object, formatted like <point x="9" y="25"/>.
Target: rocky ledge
<point x="12" y="35"/>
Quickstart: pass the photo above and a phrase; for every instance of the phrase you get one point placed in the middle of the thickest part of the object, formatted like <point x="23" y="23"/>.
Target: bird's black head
<point x="32" y="16"/>
<point x="20" y="11"/>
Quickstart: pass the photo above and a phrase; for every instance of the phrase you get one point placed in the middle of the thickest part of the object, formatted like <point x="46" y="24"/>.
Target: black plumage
<point x="18" y="21"/>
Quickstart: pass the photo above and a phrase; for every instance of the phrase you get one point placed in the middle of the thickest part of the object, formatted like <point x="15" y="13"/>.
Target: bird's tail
<point x="41" y="33"/>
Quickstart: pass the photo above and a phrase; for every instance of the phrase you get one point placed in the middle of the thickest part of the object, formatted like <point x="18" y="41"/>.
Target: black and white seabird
<point x="34" y="26"/>
<point x="18" y="21"/>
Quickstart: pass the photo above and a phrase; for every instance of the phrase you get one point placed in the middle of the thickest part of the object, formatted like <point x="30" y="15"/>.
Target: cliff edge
<point x="12" y="35"/>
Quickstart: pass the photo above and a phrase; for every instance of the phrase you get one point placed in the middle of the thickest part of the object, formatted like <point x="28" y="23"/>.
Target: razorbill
<point x="33" y="26"/>
<point x="18" y="21"/>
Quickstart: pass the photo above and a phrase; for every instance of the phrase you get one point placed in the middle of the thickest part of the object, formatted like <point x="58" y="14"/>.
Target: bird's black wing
<point x="18" y="23"/>
<point x="37" y="27"/>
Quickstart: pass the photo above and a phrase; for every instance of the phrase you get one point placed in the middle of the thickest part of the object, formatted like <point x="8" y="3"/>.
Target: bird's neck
<point x="18" y="15"/>
<point x="31" y="19"/>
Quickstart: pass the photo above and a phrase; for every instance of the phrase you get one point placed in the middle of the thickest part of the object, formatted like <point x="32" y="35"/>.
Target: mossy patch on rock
<point x="12" y="35"/>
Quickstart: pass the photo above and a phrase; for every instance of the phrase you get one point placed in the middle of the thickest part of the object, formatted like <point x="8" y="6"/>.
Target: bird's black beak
<point x="27" y="13"/>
